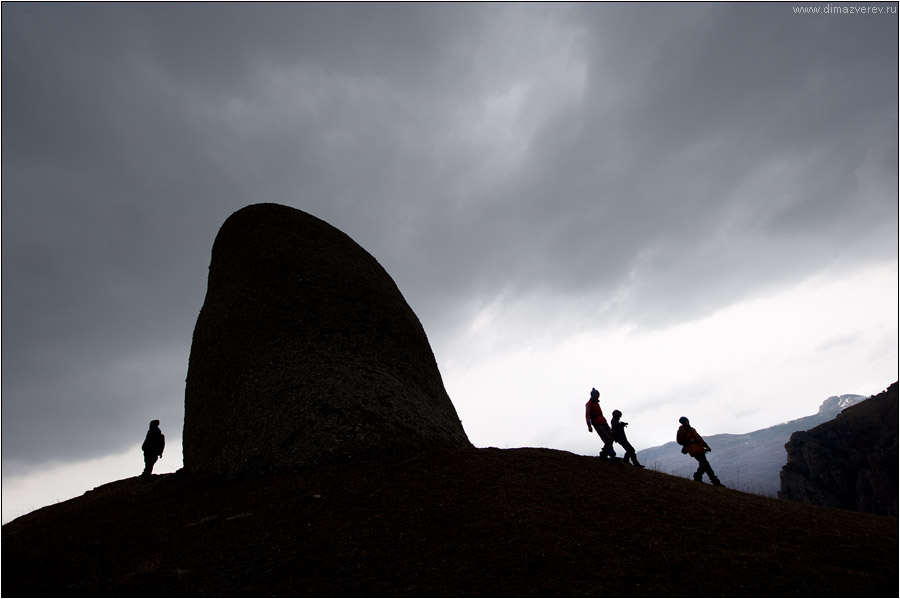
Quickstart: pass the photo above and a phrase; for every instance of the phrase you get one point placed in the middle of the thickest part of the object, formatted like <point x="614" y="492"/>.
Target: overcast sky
<point x="691" y="207"/>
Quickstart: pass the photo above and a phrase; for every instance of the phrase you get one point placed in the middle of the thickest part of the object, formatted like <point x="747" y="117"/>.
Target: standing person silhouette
<point x="594" y="417"/>
<point x="692" y="443"/>
<point x="153" y="447"/>
<point x="618" y="435"/>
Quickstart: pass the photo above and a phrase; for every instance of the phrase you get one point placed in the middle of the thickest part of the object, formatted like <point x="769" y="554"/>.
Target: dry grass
<point x="485" y="522"/>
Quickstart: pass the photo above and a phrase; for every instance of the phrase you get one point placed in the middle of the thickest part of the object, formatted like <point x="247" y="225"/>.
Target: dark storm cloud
<point x="730" y="160"/>
<point x="127" y="141"/>
<point x="676" y="156"/>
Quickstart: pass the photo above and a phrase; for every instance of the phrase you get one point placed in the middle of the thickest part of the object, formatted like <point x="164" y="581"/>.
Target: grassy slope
<point x="486" y="522"/>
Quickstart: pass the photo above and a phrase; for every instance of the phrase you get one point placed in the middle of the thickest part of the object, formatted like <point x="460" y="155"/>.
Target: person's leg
<point x="606" y="434"/>
<point x="149" y="460"/>
<point x="712" y="475"/>
<point x="701" y="468"/>
<point x="630" y="453"/>
<point x="600" y="434"/>
<point x="705" y="468"/>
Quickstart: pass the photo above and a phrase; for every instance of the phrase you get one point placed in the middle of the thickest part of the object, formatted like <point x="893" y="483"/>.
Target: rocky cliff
<point x="306" y="352"/>
<point x="849" y="462"/>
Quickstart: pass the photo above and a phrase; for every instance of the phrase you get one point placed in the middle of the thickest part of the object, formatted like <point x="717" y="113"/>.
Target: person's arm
<point x="702" y="442"/>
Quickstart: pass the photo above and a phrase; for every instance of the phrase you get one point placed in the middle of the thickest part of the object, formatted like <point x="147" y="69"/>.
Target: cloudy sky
<point x="691" y="207"/>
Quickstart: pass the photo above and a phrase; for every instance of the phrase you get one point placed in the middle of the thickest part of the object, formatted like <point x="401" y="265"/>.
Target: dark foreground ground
<point x="481" y="522"/>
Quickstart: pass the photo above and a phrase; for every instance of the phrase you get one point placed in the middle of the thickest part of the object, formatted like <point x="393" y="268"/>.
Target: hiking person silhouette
<point x="153" y="447"/>
<point x="594" y="416"/>
<point x="618" y="435"/>
<point x="692" y="443"/>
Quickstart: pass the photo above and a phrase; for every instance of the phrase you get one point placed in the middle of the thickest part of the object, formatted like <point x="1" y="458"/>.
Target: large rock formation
<point x="306" y="352"/>
<point x="849" y="462"/>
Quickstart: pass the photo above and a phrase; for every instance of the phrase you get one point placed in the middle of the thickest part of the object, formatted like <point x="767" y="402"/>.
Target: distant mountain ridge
<point x="749" y="462"/>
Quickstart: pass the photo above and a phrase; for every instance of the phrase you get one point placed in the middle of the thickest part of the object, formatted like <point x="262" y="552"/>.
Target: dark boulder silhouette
<point x="305" y="352"/>
<point x="849" y="462"/>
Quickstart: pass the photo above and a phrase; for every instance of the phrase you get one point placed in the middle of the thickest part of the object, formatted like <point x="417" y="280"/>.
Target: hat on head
<point x="617" y="414"/>
<point x="683" y="420"/>
<point x="594" y="393"/>
<point x="154" y="423"/>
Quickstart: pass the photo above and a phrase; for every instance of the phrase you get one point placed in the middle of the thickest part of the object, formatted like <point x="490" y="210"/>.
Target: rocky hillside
<point x="467" y="522"/>
<point x="850" y="462"/>
<point x="748" y="462"/>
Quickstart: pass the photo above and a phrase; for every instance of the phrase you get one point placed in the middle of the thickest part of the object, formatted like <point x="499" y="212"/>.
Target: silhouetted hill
<point x="748" y="462"/>
<point x="850" y="462"/>
<point x="467" y="522"/>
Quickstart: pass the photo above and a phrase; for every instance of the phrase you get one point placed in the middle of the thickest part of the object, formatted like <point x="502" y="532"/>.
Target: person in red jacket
<point x="595" y="420"/>
<point x="692" y="443"/>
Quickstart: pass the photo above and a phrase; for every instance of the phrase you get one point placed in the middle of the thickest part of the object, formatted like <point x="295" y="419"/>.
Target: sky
<point x="691" y="207"/>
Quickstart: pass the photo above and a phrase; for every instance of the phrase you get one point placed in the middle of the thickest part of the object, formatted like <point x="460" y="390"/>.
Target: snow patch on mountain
<point x="836" y="403"/>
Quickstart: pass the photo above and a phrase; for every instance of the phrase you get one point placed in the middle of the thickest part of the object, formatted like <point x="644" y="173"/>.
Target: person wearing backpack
<point x="595" y="420"/>
<point x="692" y="443"/>
<point x="618" y="435"/>
<point x="153" y="447"/>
